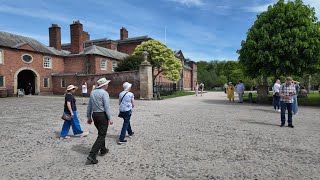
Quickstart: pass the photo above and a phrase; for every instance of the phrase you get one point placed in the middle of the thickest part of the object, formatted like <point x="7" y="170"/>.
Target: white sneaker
<point x="65" y="138"/>
<point x="84" y="134"/>
<point x="279" y="110"/>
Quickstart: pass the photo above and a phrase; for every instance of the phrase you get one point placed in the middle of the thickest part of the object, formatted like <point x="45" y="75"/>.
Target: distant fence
<point x="165" y="88"/>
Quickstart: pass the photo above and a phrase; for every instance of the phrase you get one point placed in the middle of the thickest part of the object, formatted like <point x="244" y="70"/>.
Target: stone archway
<point x="27" y="75"/>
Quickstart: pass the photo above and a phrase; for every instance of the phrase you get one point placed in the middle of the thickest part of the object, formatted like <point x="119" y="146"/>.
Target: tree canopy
<point x="284" y="40"/>
<point x="129" y="63"/>
<point x="161" y="58"/>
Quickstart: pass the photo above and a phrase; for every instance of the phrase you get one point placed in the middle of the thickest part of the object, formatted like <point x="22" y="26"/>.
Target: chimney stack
<point x="76" y="32"/>
<point x="123" y="33"/>
<point x="55" y="36"/>
<point x="86" y="36"/>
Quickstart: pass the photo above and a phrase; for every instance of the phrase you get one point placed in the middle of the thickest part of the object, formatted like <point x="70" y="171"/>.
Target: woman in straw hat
<point x="70" y="108"/>
<point x="126" y="102"/>
<point x="230" y="92"/>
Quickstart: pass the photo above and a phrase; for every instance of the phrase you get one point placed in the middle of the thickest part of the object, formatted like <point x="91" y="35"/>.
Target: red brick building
<point x="36" y="68"/>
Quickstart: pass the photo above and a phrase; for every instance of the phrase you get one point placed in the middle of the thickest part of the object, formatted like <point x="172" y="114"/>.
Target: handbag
<point x="66" y="117"/>
<point x="120" y="114"/>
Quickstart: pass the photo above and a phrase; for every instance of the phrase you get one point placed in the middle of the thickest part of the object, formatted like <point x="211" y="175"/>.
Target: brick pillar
<point x="123" y="33"/>
<point x="55" y="36"/>
<point x="146" y="90"/>
<point x="76" y="33"/>
<point x="86" y="36"/>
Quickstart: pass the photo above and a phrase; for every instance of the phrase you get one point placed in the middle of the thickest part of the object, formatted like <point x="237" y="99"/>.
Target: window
<point x="63" y="83"/>
<point x="1" y="81"/>
<point x="46" y="82"/>
<point x="103" y="64"/>
<point x="114" y="65"/>
<point x="1" y="57"/>
<point x="47" y="62"/>
<point x="27" y="58"/>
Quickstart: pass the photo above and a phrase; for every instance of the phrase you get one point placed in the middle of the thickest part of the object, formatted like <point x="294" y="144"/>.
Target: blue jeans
<point x="276" y="102"/>
<point x="74" y="123"/>
<point x="284" y="107"/>
<point x="126" y="125"/>
<point x="295" y="104"/>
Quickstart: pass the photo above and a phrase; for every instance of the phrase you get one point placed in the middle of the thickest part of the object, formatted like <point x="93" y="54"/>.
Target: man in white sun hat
<point x="99" y="111"/>
<point x="126" y="102"/>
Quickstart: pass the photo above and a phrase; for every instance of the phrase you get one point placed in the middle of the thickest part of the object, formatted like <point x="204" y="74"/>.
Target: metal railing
<point x="164" y="89"/>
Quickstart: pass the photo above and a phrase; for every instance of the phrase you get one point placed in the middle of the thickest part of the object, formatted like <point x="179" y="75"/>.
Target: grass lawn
<point x="313" y="99"/>
<point x="178" y="94"/>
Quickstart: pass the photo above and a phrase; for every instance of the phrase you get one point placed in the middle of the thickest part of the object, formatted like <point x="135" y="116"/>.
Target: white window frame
<point x="49" y="63"/>
<point x="48" y="82"/>
<point x="1" y="56"/>
<point x="114" y="65"/>
<point x="62" y="79"/>
<point x="4" y="82"/>
<point x="26" y="61"/>
<point x="105" y="66"/>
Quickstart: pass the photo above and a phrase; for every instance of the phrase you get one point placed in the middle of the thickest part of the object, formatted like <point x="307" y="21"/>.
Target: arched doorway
<point x="26" y="81"/>
<point x="23" y="77"/>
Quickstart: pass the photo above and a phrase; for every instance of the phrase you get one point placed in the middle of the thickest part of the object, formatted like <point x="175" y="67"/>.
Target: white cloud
<point x="189" y="3"/>
<point x="258" y="8"/>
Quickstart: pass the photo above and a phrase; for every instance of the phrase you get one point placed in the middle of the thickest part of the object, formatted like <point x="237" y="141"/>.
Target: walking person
<point x="99" y="111"/>
<point x="84" y="92"/>
<point x="70" y="108"/>
<point x="240" y="91"/>
<point x="287" y="91"/>
<point x="126" y="102"/>
<point x="201" y="88"/>
<point x="295" y="98"/>
<point x="276" y="96"/>
<point x="225" y="88"/>
<point x="230" y="92"/>
<point x="196" y="89"/>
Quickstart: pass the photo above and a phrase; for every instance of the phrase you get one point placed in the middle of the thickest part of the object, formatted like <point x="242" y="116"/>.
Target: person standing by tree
<point x="295" y="98"/>
<point x="201" y="88"/>
<point x="230" y="92"/>
<point x="240" y="91"/>
<point x="84" y="92"/>
<point x="287" y="91"/>
<point x="99" y="111"/>
<point x="276" y="96"/>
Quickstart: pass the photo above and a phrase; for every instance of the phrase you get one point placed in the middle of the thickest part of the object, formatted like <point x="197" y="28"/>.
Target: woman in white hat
<point x="126" y="102"/>
<point x="70" y="108"/>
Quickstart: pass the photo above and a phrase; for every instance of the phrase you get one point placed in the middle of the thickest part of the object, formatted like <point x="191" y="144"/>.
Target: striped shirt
<point x="287" y="92"/>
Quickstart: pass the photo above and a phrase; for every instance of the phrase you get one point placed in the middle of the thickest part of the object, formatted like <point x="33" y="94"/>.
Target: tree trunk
<point x="263" y="91"/>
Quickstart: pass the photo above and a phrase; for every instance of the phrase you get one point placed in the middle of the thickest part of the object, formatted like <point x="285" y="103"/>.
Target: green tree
<point x="130" y="63"/>
<point x="161" y="58"/>
<point x="284" y="40"/>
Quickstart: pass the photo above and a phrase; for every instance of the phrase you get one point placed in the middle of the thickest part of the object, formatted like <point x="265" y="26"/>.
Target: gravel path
<point x="183" y="138"/>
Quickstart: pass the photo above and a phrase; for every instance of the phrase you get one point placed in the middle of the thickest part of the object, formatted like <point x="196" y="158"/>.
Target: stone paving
<point x="183" y="138"/>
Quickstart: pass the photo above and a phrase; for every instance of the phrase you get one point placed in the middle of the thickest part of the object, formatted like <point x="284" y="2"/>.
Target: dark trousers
<point x="284" y="107"/>
<point x="101" y="122"/>
<point x="276" y="102"/>
<point x="126" y="125"/>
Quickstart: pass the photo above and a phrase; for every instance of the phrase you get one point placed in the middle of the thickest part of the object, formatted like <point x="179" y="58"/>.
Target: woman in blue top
<point x="126" y="102"/>
<point x="70" y="108"/>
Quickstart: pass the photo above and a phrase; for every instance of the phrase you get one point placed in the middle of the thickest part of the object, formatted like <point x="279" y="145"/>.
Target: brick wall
<point x="128" y="48"/>
<point x="187" y="79"/>
<point x="115" y="86"/>
<point x="13" y="63"/>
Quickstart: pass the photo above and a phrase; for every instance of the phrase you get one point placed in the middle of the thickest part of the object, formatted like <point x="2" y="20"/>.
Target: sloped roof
<point x="134" y="39"/>
<point x="16" y="41"/>
<point x="97" y="50"/>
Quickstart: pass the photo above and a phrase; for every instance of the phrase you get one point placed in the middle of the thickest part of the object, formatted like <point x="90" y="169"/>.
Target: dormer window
<point x="114" y="65"/>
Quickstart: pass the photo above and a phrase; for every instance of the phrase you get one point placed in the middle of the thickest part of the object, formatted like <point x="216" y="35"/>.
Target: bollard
<point x="250" y="97"/>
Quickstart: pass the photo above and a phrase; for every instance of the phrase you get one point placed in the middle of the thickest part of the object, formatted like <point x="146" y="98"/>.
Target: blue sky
<point x="202" y="29"/>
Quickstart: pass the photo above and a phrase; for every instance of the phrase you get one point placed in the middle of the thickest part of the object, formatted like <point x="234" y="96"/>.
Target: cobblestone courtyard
<point x="183" y="138"/>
